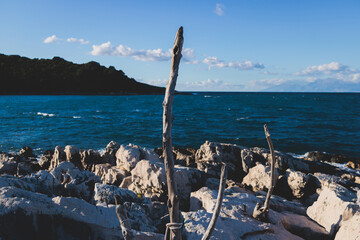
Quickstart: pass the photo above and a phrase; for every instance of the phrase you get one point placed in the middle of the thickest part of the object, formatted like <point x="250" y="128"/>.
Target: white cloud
<point x="323" y="69"/>
<point x="333" y="70"/>
<point x="245" y="65"/>
<point x="77" y="40"/>
<point x="219" y="9"/>
<point x="51" y="39"/>
<point x="141" y="55"/>
<point x="205" y="83"/>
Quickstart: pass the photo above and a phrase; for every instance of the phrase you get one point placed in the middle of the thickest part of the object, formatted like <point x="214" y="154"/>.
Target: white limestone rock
<point x="43" y="217"/>
<point x="46" y="217"/>
<point x="248" y="160"/>
<point x="76" y="182"/>
<point x="334" y="205"/>
<point x="110" y="174"/>
<point x="104" y="193"/>
<point x="350" y="229"/>
<point x="128" y="156"/>
<point x="109" y="155"/>
<point x="149" y="179"/>
<point x="302" y="185"/>
<point x="212" y="155"/>
<point x="258" y="178"/>
<point x="58" y="157"/>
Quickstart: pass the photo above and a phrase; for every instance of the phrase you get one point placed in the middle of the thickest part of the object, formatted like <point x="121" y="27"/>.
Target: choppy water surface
<point x="298" y="122"/>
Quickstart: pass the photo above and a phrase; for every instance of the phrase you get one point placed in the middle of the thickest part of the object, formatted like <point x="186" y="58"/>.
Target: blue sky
<point x="244" y="45"/>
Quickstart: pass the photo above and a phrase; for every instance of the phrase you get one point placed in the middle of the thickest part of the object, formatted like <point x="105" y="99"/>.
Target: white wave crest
<point x="46" y="114"/>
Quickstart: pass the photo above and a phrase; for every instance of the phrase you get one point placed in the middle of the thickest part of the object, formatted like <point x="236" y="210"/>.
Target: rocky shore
<point x="68" y="193"/>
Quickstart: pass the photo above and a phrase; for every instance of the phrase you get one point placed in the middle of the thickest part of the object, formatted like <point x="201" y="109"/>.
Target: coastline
<point x="68" y="184"/>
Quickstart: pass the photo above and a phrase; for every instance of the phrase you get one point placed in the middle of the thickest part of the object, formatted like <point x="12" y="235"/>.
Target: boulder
<point x="89" y="158"/>
<point x="73" y="155"/>
<point x="128" y="156"/>
<point x="104" y="193"/>
<point x="325" y="157"/>
<point x="110" y="174"/>
<point x="282" y="161"/>
<point x="301" y="184"/>
<point x="247" y="158"/>
<point x="185" y="156"/>
<point x="26" y="152"/>
<point x="8" y="180"/>
<point x="258" y="178"/>
<point x="334" y="205"/>
<point x="58" y="157"/>
<point x="8" y="163"/>
<point x="327" y="180"/>
<point x="45" y="159"/>
<point x="42" y="217"/>
<point x="182" y="156"/>
<point x="285" y="161"/>
<point x="75" y="182"/>
<point x="211" y="156"/>
<point x="349" y="229"/>
<point x="45" y="183"/>
<point x="17" y="165"/>
<point x="149" y="179"/>
<point x="109" y="155"/>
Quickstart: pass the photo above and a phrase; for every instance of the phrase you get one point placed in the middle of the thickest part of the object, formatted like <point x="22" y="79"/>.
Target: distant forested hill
<point x="21" y="75"/>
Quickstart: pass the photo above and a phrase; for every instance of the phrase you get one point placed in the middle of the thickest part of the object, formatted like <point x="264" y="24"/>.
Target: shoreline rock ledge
<point x="69" y="193"/>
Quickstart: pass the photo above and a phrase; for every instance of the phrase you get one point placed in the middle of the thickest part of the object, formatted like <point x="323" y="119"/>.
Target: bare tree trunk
<point x="219" y="200"/>
<point x="173" y="198"/>
<point x="262" y="213"/>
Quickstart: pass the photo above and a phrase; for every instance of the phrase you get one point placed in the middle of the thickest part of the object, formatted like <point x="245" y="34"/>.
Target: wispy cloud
<point x="141" y="55"/>
<point x="323" y="69"/>
<point x="333" y="70"/>
<point x="219" y="9"/>
<point x="51" y="39"/>
<point x="205" y="83"/>
<point x="214" y="62"/>
<point x="77" y="40"/>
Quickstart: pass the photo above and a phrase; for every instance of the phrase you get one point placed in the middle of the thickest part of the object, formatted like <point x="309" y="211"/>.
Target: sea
<point x="298" y="122"/>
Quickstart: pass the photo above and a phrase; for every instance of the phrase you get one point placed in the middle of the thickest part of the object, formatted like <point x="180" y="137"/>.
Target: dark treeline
<point x="21" y="75"/>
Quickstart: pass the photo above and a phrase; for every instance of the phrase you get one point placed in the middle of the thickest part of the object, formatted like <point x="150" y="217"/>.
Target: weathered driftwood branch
<point x="262" y="213"/>
<point x="219" y="200"/>
<point x="173" y="198"/>
<point x="273" y="175"/>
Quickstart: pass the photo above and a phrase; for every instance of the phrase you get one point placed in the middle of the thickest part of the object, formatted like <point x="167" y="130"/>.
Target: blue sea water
<point x="298" y="122"/>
